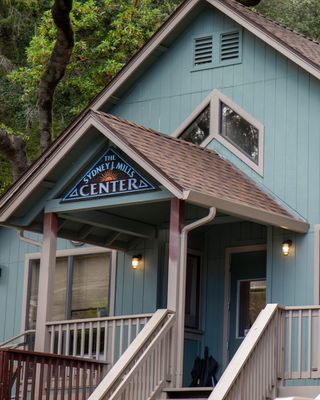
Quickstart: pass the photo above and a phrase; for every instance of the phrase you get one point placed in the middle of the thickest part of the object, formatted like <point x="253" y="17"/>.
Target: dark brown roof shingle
<point x="191" y="167"/>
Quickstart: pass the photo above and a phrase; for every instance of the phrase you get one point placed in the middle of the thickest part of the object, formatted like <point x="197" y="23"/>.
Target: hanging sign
<point x="110" y="175"/>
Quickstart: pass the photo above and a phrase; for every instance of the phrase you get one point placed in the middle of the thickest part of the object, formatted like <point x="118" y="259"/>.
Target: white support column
<point x="46" y="279"/>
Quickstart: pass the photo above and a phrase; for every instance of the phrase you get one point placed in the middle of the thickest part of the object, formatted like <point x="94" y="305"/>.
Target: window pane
<point x="90" y="290"/>
<point x="192" y="292"/>
<point x="33" y="299"/>
<point x="199" y="129"/>
<point x="252" y="300"/>
<point x="240" y="132"/>
<point x="59" y="291"/>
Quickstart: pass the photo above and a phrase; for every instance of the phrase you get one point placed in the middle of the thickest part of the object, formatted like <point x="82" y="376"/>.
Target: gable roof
<point x="191" y="173"/>
<point x="296" y="47"/>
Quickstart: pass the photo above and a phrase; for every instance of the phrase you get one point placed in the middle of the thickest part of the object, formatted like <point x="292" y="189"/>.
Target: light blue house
<point x="172" y="242"/>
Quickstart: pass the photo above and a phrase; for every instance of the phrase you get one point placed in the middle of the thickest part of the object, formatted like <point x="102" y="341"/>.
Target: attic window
<point x="218" y="118"/>
<point x="203" y="50"/>
<point x="199" y="129"/>
<point x="238" y="131"/>
<point x="217" y="50"/>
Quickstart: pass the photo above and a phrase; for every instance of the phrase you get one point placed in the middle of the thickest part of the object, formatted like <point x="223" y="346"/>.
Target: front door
<point x="247" y="294"/>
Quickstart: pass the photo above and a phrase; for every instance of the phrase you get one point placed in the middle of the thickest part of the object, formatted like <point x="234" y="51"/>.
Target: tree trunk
<point x="55" y="68"/>
<point x="14" y="148"/>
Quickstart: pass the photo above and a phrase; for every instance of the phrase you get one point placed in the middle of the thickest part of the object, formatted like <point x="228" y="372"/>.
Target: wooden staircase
<point x="187" y="393"/>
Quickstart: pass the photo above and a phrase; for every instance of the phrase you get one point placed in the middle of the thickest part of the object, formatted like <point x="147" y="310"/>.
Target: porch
<point x="279" y="353"/>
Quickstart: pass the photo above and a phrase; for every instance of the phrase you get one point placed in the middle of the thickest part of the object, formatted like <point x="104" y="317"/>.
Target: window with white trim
<point x="81" y="287"/>
<point x="219" y="118"/>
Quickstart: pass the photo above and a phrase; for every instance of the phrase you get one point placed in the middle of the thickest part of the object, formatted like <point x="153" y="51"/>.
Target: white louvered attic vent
<point x="203" y="51"/>
<point x="229" y="46"/>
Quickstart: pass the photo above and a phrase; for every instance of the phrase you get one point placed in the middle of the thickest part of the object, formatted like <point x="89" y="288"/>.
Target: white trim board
<point x="214" y="100"/>
<point x="227" y="263"/>
<point x="67" y="253"/>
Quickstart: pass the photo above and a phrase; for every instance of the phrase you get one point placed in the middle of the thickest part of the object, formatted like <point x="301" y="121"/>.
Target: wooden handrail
<point x="22" y="334"/>
<point x="155" y="329"/>
<point x="100" y="319"/>
<point x="234" y="382"/>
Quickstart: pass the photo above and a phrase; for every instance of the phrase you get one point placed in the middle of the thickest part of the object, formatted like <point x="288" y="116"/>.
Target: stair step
<point x="299" y="391"/>
<point x="188" y="393"/>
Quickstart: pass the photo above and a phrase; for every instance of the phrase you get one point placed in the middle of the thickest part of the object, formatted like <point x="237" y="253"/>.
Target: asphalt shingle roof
<point x="191" y="167"/>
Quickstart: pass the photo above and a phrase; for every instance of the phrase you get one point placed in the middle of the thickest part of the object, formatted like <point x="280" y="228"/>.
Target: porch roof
<point x="191" y="173"/>
<point x="201" y="175"/>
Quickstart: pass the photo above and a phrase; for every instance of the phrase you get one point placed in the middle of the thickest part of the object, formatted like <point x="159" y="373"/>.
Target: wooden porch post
<point x="176" y="221"/>
<point x="46" y="279"/>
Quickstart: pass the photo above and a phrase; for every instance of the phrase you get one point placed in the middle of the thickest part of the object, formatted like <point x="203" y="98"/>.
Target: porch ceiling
<point x="179" y="169"/>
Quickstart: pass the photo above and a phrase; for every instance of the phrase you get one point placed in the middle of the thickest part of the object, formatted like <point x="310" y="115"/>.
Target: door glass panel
<point x="252" y="300"/>
<point x="90" y="289"/>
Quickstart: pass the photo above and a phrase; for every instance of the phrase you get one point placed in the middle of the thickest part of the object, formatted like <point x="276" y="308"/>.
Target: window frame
<point x="71" y="252"/>
<point x="214" y="99"/>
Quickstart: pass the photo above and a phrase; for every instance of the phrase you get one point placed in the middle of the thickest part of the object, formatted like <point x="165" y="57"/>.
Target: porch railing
<point x="302" y="342"/>
<point x="104" y="339"/>
<point x="145" y="368"/>
<point x="29" y="375"/>
<point x="254" y="371"/>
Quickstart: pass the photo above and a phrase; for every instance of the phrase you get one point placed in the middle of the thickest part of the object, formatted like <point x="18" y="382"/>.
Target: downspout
<point x="316" y="265"/>
<point x="182" y="287"/>
<point x="27" y="240"/>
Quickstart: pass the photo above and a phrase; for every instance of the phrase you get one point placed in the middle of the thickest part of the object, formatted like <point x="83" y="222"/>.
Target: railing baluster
<point x="98" y="340"/>
<point x="106" y="338"/>
<point x="289" y="338"/>
<point x="60" y="339"/>
<point x="299" y="343"/>
<point x="121" y="339"/>
<point x="52" y="337"/>
<point x="75" y="339"/>
<point x="19" y="365"/>
<point x="309" y="344"/>
<point x="67" y="346"/>
<point x="129" y="330"/>
<point x="83" y="334"/>
<point x="113" y="343"/>
<point x="90" y="340"/>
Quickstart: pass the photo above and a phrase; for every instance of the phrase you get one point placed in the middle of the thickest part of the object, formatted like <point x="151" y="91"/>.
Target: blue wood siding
<point x="274" y="90"/>
<point x="12" y="264"/>
<point x="282" y="96"/>
<point x="136" y="291"/>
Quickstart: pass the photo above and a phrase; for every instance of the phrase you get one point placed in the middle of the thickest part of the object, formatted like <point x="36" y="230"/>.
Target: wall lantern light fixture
<point x="286" y="245"/>
<point x="136" y="261"/>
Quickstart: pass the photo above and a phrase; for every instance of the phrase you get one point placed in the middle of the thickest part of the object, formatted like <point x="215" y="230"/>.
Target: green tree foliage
<point x="107" y="34"/>
<point x="303" y="16"/>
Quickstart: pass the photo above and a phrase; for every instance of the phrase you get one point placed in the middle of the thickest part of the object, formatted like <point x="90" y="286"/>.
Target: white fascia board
<point x="146" y="51"/>
<point x="265" y="37"/>
<point x="246" y="212"/>
<point x="127" y="149"/>
<point x="37" y="174"/>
